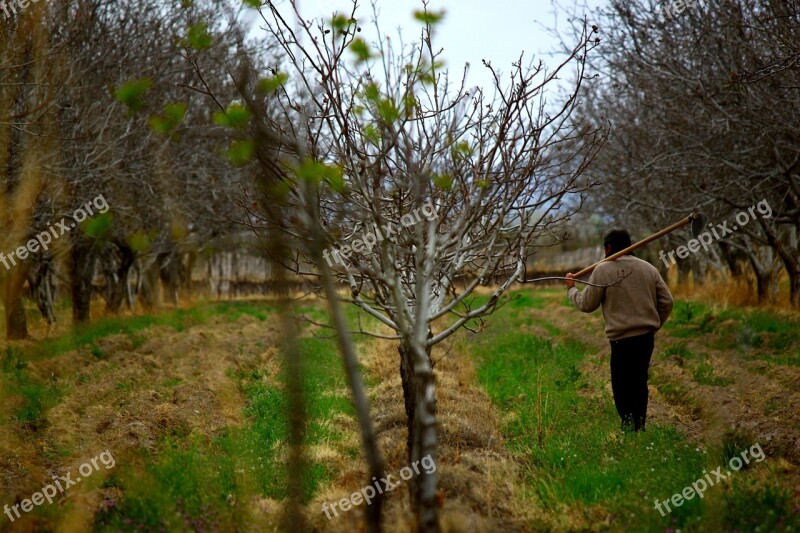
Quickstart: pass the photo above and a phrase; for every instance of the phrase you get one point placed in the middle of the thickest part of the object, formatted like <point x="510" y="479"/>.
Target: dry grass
<point x="478" y="478"/>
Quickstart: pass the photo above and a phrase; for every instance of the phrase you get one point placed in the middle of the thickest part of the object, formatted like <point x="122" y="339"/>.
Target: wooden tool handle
<point x="632" y="247"/>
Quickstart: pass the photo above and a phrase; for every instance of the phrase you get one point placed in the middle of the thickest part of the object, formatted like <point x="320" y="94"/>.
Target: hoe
<point x="698" y="221"/>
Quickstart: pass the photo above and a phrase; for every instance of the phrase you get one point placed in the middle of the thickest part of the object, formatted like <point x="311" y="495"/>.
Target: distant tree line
<point x="704" y="111"/>
<point x="94" y="99"/>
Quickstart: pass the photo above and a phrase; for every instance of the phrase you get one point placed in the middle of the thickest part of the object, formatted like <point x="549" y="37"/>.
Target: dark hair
<point x="617" y="239"/>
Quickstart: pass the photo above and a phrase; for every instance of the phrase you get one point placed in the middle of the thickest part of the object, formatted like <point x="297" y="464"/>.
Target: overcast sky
<point x="472" y="29"/>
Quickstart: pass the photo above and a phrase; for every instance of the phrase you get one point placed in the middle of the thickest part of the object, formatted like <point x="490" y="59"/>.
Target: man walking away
<point x="636" y="303"/>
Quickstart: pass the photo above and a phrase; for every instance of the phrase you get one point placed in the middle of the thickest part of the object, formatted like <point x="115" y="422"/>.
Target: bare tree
<point x="439" y="189"/>
<point x="704" y="111"/>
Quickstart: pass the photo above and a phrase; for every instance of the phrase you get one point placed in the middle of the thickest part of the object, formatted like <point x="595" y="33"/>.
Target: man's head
<point x="616" y="240"/>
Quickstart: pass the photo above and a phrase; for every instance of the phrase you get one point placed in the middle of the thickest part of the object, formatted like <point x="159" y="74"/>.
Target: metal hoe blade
<point x="699" y="222"/>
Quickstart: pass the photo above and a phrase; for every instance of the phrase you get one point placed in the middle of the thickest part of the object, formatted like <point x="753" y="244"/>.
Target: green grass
<point x="210" y="484"/>
<point x="703" y="373"/>
<point x="755" y="334"/>
<point x="39" y="395"/>
<point x="179" y="320"/>
<point x="36" y="396"/>
<point x="570" y="446"/>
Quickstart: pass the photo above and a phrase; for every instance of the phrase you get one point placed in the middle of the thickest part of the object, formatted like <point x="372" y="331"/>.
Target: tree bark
<point x="118" y="286"/>
<point x="170" y="274"/>
<point x="82" y="261"/>
<point x="41" y="284"/>
<point x="16" y="322"/>
<point x="419" y="395"/>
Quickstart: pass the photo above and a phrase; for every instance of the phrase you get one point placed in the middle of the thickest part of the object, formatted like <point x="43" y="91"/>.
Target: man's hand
<point x="569" y="283"/>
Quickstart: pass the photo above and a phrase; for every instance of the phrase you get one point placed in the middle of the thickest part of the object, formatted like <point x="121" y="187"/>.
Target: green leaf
<point x="131" y="94"/>
<point x="272" y="84"/>
<point x="198" y="37"/>
<point x="139" y="241"/>
<point x="371" y="133"/>
<point x="336" y="181"/>
<point x="361" y="49"/>
<point x="443" y="181"/>
<point x="388" y="111"/>
<point x="97" y="227"/>
<point x="169" y="120"/>
<point x="340" y="22"/>
<point x="235" y="116"/>
<point x="462" y="149"/>
<point x="240" y="152"/>
<point x="316" y="171"/>
<point x="410" y="104"/>
<point x="372" y="92"/>
<point x="255" y="4"/>
<point x="429" y="17"/>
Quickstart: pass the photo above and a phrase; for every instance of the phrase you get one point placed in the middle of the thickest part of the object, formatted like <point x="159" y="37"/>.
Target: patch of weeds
<point x="209" y="484"/>
<point x="568" y="443"/>
<point x="762" y="334"/>
<point x="773" y="405"/>
<point x="188" y="488"/>
<point x="137" y="340"/>
<point x="37" y="399"/>
<point x="703" y="373"/>
<point x="768" y="505"/>
<point x="172" y="382"/>
<point x="526" y="300"/>
<point x="12" y="361"/>
<point x="680" y="351"/>
<point x="690" y="319"/>
<point x="571" y="376"/>
<point x="734" y="442"/>
<point x="676" y="394"/>
<point x="179" y="320"/>
<point x="98" y="352"/>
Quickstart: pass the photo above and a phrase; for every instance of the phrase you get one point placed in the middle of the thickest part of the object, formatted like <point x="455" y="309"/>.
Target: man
<point x="636" y="303"/>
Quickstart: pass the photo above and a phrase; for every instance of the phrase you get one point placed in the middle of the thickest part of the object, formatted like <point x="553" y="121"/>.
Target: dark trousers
<point x="630" y="359"/>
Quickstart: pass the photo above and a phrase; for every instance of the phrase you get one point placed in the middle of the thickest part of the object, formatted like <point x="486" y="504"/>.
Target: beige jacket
<point x="635" y="300"/>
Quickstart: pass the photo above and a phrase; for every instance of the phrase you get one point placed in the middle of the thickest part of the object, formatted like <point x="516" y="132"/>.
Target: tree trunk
<point x="41" y="284"/>
<point x="731" y="258"/>
<point x="149" y="286"/>
<point x="794" y="288"/>
<point x="82" y="261"/>
<point x="118" y="283"/>
<point x="169" y="273"/>
<point x="419" y="395"/>
<point x="765" y="279"/>
<point x="16" y="323"/>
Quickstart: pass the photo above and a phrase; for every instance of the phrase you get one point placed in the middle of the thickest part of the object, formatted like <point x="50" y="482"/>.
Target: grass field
<point x="191" y="404"/>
